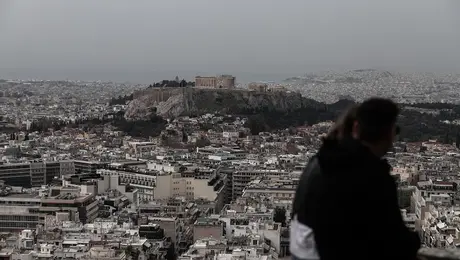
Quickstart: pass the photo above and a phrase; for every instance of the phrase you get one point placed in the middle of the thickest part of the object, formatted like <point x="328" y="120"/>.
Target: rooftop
<point x="206" y="222"/>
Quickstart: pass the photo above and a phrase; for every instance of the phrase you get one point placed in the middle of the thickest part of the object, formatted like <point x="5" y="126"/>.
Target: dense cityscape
<point x="80" y="179"/>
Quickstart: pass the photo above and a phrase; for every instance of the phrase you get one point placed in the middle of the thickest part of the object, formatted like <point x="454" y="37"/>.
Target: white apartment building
<point x="430" y="187"/>
<point x="165" y="185"/>
<point x="221" y="157"/>
<point x="210" y="187"/>
<point x="145" y="184"/>
<point x="163" y="166"/>
<point x="142" y="148"/>
<point x="242" y="177"/>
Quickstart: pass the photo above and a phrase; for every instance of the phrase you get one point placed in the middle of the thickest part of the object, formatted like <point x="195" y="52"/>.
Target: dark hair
<point x="344" y="125"/>
<point x="376" y="117"/>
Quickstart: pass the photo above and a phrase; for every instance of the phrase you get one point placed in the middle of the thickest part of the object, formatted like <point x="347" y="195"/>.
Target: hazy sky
<point x="279" y="37"/>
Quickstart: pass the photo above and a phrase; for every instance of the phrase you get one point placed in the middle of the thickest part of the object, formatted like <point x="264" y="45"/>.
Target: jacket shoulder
<point x="312" y="168"/>
<point x="305" y="187"/>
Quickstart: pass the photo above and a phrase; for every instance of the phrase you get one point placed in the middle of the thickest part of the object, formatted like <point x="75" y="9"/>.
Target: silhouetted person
<point x="346" y="205"/>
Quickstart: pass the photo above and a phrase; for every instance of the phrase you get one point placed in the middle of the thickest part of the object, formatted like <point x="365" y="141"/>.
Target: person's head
<point x="375" y="124"/>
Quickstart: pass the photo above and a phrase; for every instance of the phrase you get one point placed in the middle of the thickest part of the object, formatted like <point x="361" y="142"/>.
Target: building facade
<point x="35" y="173"/>
<point x="19" y="212"/>
<point x="221" y="81"/>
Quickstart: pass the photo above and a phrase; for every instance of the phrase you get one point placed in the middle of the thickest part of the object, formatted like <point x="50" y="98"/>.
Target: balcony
<point x="438" y="254"/>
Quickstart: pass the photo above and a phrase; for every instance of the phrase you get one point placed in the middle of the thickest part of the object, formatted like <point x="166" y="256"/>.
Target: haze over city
<point x="145" y="41"/>
<point x="207" y="129"/>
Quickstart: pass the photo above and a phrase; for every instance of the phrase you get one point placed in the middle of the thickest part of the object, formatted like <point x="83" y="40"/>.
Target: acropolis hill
<point x="189" y="100"/>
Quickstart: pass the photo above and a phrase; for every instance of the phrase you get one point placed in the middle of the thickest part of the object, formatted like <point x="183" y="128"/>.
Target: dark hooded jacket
<point x="348" y="198"/>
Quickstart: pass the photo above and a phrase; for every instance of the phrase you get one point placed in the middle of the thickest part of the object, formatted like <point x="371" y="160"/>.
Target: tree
<point x="170" y="254"/>
<point x="202" y="142"/>
<point x="205" y="126"/>
<point x="457" y="140"/>
<point x="184" y="137"/>
<point x="256" y="124"/>
<point x="121" y="100"/>
<point x="280" y="216"/>
<point x="129" y="250"/>
<point x="446" y="139"/>
<point x="171" y="84"/>
<point x="291" y="148"/>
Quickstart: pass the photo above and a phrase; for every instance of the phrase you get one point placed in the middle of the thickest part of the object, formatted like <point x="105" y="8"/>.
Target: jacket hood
<point x="334" y="156"/>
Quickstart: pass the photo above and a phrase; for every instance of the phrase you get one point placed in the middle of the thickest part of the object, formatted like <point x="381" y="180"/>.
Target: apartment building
<point x="53" y="170"/>
<point x="240" y="178"/>
<point x="281" y="188"/>
<point x="172" y="207"/>
<point x="142" y="148"/>
<point x="208" y="227"/>
<point x="163" y="166"/>
<point x="192" y="185"/>
<point x="82" y="167"/>
<point x="19" y="211"/>
<point x="143" y="183"/>
<point x="196" y="185"/>
<point x="66" y="167"/>
<point x="430" y="187"/>
<point x="171" y="227"/>
<point x="35" y="173"/>
<point x="80" y="207"/>
<point x="16" y="174"/>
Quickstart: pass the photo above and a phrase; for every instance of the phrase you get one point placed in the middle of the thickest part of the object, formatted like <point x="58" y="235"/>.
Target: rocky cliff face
<point x="175" y="102"/>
